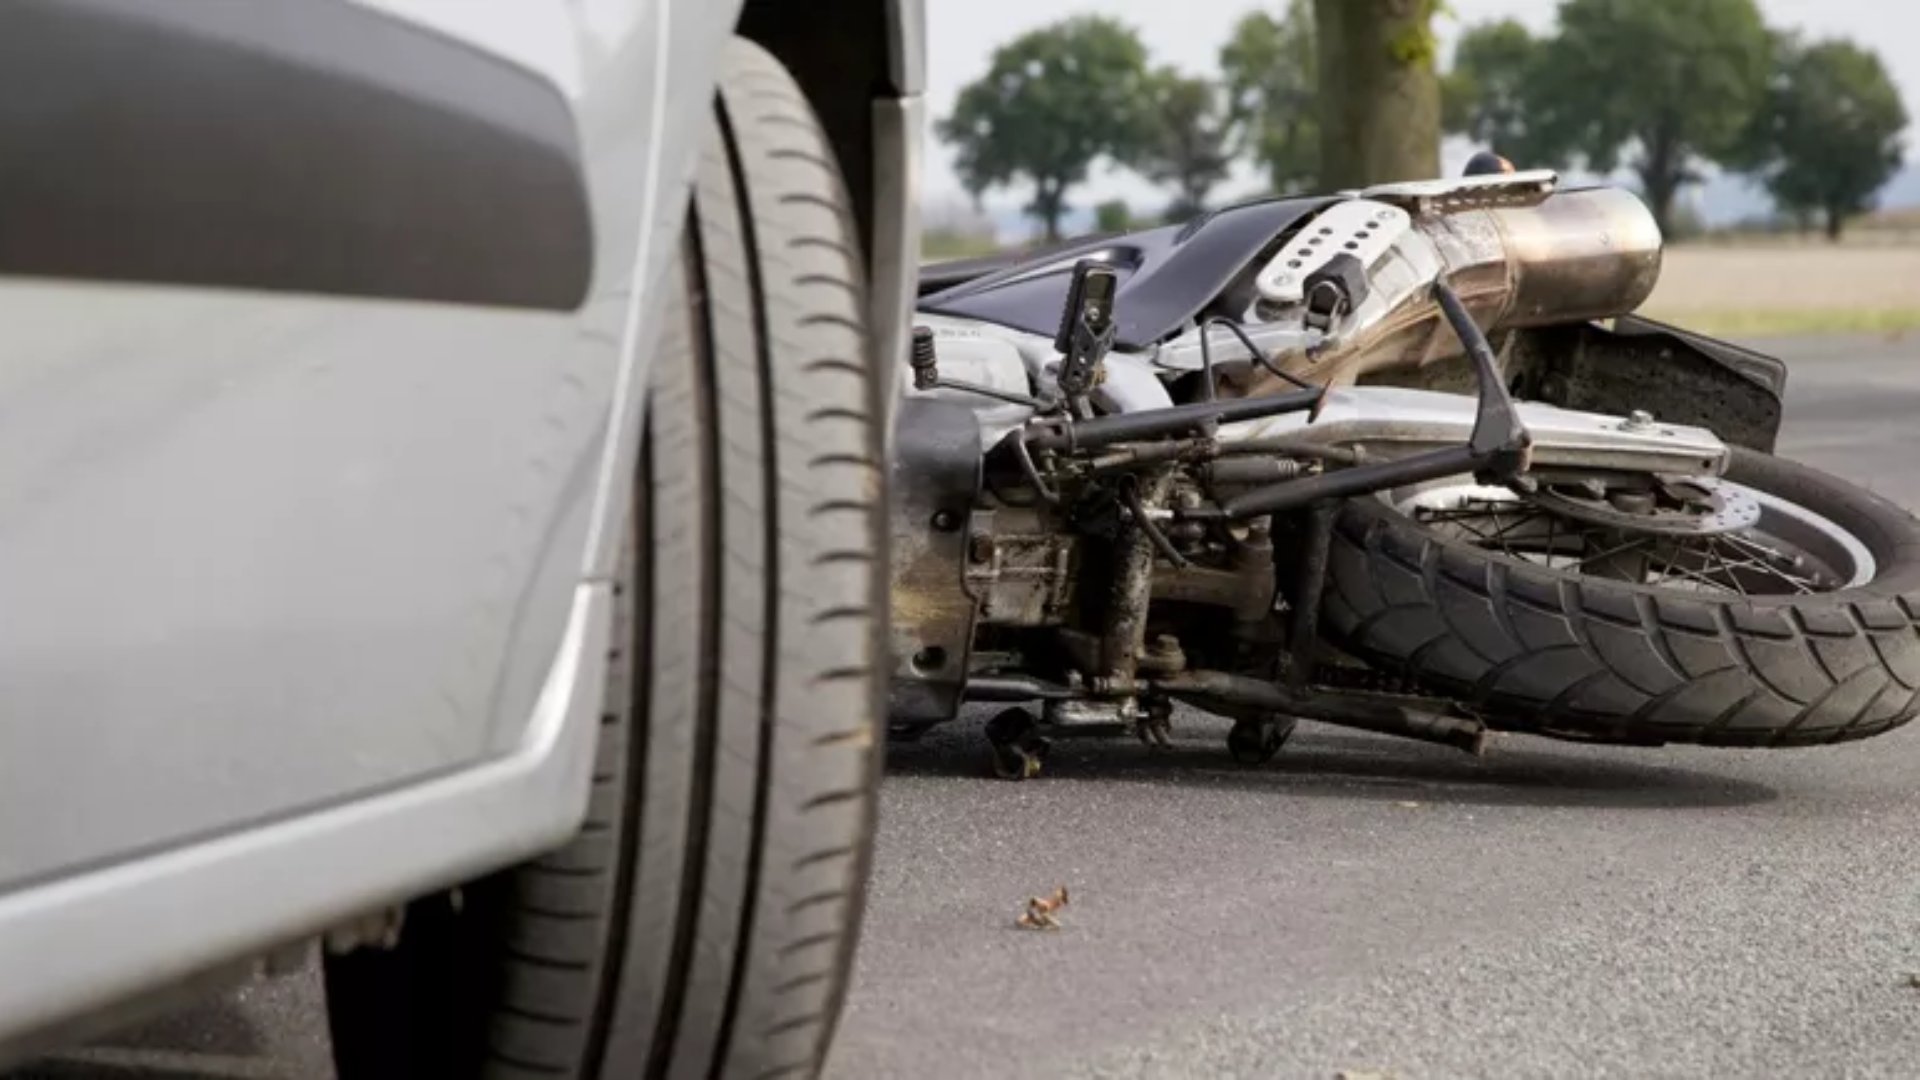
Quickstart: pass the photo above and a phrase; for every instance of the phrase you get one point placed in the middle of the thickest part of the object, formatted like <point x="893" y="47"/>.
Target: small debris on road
<point x="1040" y="911"/>
<point x="1408" y="804"/>
<point x="1362" y="1074"/>
<point x="1913" y="980"/>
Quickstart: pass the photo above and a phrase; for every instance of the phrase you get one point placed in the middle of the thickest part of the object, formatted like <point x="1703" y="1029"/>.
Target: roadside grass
<point x="1772" y="289"/>
<point x="1778" y="322"/>
<point x="940" y="245"/>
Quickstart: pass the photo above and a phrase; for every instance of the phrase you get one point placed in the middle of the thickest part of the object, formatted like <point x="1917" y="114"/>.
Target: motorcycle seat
<point x="1167" y="274"/>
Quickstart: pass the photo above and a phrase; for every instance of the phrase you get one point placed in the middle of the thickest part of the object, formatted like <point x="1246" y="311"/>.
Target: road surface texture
<point x="1365" y="904"/>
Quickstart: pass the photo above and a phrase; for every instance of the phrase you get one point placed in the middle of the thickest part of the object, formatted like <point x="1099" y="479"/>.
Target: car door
<point x="320" y="348"/>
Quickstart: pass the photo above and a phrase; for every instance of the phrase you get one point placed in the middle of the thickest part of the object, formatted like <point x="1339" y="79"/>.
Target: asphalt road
<point x="1365" y="904"/>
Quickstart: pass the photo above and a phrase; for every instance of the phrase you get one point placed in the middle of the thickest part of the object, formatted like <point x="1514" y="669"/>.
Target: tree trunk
<point x="1836" y="224"/>
<point x="1049" y="199"/>
<point x="1193" y="196"/>
<point x="1661" y="173"/>
<point x="1659" y="187"/>
<point x="1379" y="96"/>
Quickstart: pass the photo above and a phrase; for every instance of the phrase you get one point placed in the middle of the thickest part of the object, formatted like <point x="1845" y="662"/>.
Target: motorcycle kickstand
<point x="1309" y="586"/>
<point x="1255" y="740"/>
<point x="1155" y="726"/>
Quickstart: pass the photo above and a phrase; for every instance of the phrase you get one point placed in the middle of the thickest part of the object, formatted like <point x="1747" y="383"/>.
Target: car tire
<point x="703" y="921"/>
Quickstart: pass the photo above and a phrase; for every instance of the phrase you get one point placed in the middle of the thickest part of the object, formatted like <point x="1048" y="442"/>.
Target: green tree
<point x="1672" y="82"/>
<point x="1828" y="137"/>
<point x="1186" y="144"/>
<point x="1379" y="95"/>
<point x="1492" y="92"/>
<point x="1113" y="216"/>
<point x="1271" y="68"/>
<point x="1052" y="102"/>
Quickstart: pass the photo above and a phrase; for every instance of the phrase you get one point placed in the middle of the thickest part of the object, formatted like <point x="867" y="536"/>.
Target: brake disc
<point x="1675" y="506"/>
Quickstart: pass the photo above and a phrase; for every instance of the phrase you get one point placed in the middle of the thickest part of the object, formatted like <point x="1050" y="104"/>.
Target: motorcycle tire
<point x="1557" y="652"/>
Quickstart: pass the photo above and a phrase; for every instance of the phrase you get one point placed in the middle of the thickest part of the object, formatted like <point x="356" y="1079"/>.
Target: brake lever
<point x="1499" y="437"/>
<point x="1498" y="450"/>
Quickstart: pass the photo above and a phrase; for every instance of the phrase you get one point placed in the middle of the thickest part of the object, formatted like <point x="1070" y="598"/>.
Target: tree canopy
<point x="1052" y="102"/>
<point x="1491" y="93"/>
<point x="1186" y="143"/>
<point x="1324" y="94"/>
<point x="1271" y="66"/>
<point x="1663" y="84"/>
<point x="1112" y="216"/>
<point x="1828" y="136"/>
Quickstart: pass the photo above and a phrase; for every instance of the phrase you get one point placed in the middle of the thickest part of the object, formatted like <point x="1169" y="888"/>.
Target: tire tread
<point x="1798" y="672"/>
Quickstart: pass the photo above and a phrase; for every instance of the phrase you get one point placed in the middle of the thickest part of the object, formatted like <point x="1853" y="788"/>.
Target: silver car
<point x="441" y="461"/>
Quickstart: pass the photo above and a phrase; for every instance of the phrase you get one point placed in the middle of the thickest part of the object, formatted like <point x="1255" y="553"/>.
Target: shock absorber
<point x="1125" y="632"/>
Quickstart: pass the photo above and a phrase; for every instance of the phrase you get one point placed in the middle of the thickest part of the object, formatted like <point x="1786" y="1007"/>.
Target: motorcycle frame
<point x="1385" y="415"/>
<point x="1405" y="436"/>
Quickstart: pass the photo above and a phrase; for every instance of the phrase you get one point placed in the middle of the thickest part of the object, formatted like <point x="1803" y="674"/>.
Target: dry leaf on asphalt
<point x="1040" y="910"/>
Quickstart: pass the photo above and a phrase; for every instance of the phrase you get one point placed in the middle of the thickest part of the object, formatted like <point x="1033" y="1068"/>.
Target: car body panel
<point x="287" y="571"/>
<point x="266" y="550"/>
<point x="262" y="570"/>
<point x="315" y="147"/>
<point x="307" y="535"/>
<point x="897" y="125"/>
<point x="98" y="938"/>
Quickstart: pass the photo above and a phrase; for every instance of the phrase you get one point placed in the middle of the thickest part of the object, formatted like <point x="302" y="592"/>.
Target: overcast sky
<point x="1187" y="33"/>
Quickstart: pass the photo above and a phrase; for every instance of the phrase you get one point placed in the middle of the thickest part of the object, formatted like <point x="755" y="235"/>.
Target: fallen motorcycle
<point x="1399" y="460"/>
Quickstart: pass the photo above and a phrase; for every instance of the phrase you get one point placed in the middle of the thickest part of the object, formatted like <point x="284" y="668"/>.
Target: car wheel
<point x="703" y="920"/>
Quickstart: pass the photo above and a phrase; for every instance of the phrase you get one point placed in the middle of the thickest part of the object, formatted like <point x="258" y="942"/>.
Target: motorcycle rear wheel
<point x="1764" y="652"/>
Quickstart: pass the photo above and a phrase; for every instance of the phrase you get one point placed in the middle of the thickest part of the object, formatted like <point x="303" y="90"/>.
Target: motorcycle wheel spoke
<point x="1505" y="530"/>
<point x="1745" y="564"/>
<point x="1611" y="552"/>
<point x="1733" y="580"/>
<point x="1771" y="561"/>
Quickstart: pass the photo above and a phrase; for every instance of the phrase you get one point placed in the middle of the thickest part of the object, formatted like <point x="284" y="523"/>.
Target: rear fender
<point x="1679" y="377"/>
